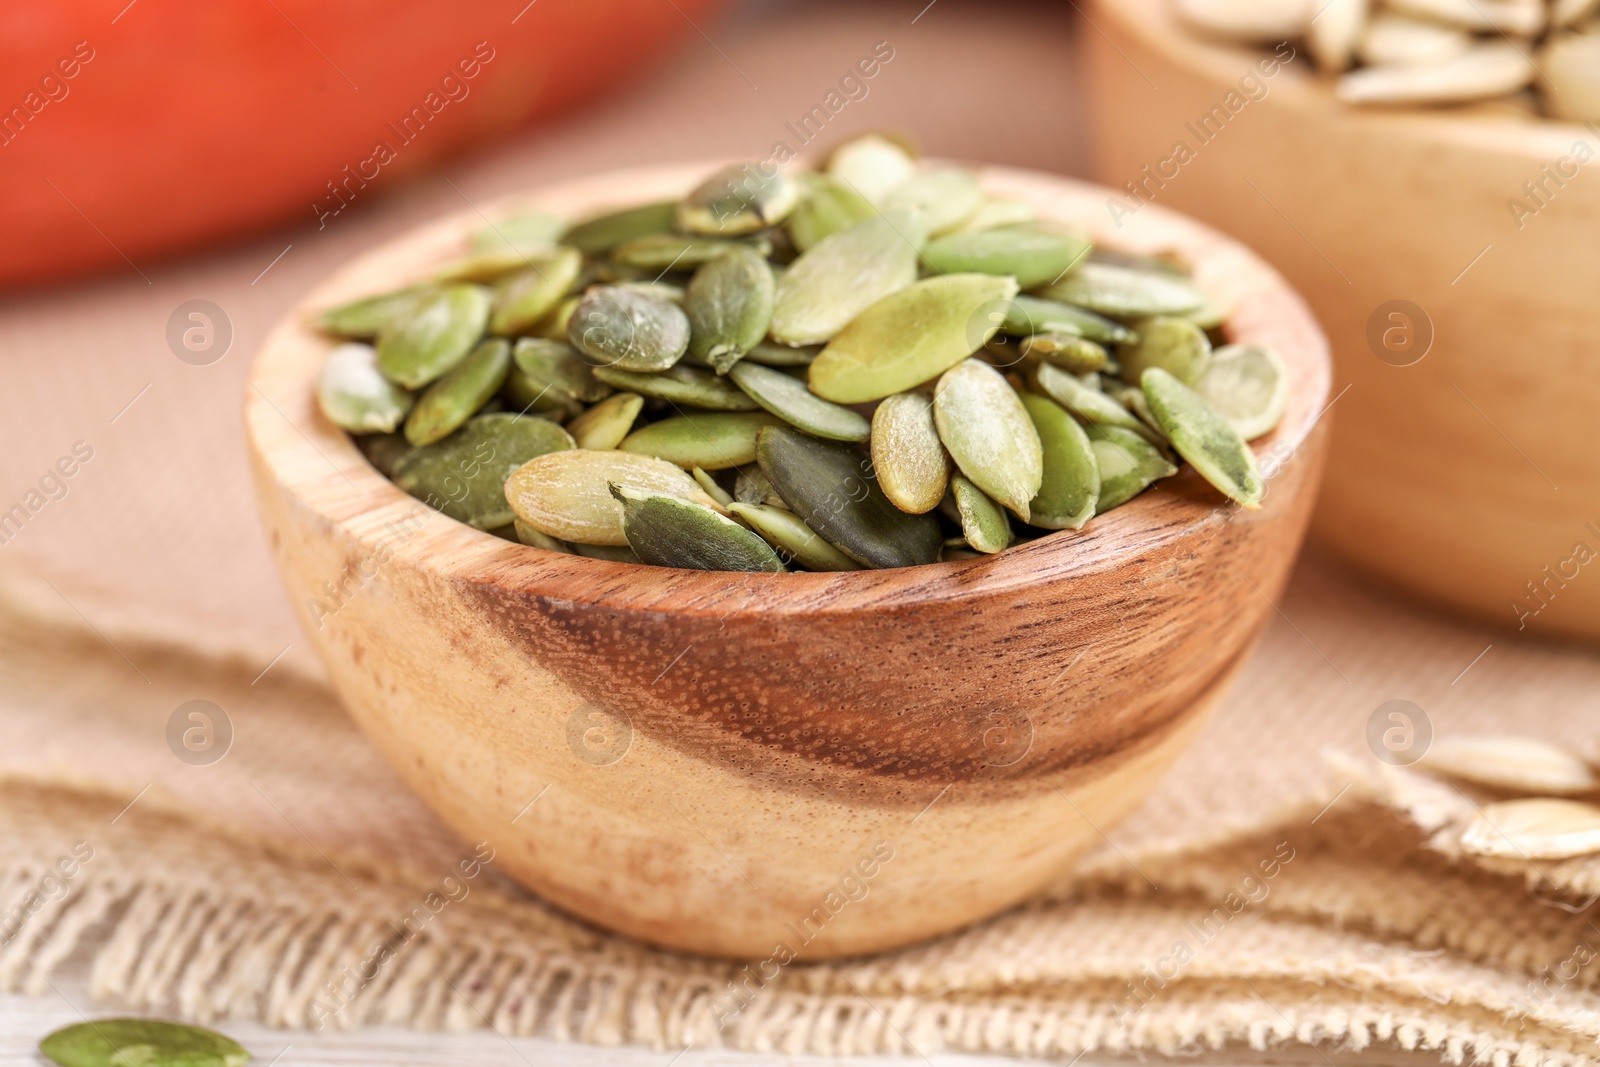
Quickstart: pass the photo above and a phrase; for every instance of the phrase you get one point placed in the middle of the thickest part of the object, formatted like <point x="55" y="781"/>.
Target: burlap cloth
<point x="1271" y="890"/>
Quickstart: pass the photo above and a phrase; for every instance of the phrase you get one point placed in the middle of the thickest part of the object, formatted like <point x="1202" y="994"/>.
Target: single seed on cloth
<point x="1491" y="69"/>
<point x="829" y="485"/>
<point x="141" y="1043"/>
<point x="1127" y="463"/>
<point x="363" y="319"/>
<point x="712" y="440"/>
<point x="790" y="400"/>
<point x="465" y="474"/>
<point x="604" y="232"/>
<point x="621" y="328"/>
<point x="1075" y="355"/>
<point x="1033" y="257"/>
<point x="909" y="337"/>
<point x="790" y="537"/>
<point x="941" y="199"/>
<point x="1392" y="40"/>
<point x="1522" y="764"/>
<point x="567" y="495"/>
<point x="433" y="335"/>
<point x="843" y="274"/>
<point x="1538" y="828"/>
<point x="1177" y="346"/>
<point x="1204" y="438"/>
<point x="871" y="166"/>
<point x="729" y="303"/>
<point x="1070" y="487"/>
<point x="355" y="396"/>
<point x="527" y="296"/>
<point x="679" y="252"/>
<point x="666" y="531"/>
<point x="608" y="422"/>
<point x="984" y="525"/>
<point x="826" y="207"/>
<point x="912" y="466"/>
<point x="1263" y="21"/>
<point x="739" y="198"/>
<point x="1124" y="293"/>
<point x="1247" y="385"/>
<point x="1031" y="315"/>
<point x="686" y="386"/>
<point x="449" y="402"/>
<point x="988" y="434"/>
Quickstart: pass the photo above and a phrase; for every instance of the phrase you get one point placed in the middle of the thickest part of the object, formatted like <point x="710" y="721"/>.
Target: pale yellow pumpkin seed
<point x="567" y="495"/>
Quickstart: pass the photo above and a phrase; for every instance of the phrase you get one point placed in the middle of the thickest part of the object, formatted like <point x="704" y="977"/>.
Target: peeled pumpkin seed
<point x="612" y="553"/>
<point x="604" y="232"/>
<point x="1204" y="438"/>
<point x="557" y="364"/>
<point x="532" y="234"/>
<point x="714" y="441"/>
<point x="608" y="422"/>
<point x="872" y="166"/>
<point x="1177" y="346"/>
<point x="826" y="208"/>
<point x="738" y="199"/>
<point x="1332" y="34"/>
<point x="729" y="303"/>
<point x="792" y="538"/>
<point x="1070" y="486"/>
<point x="984" y="525"/>
<point x="449" y="402"/>
<point x="1090" y="405"/>
<point x="464" y="475"/>
<point x="1076" y="355"/>
<point x="1132" y="397"/>
<point x="988" y="434"/>
<point x="672" y="294"/>
<point x="1522" y="17"/>
<point x="384" y="451"/>
<point x="355" y="396"/>
<point x="1265" y="21"/>
<point x="1541" y="828"/>
<point x="141" y="1043"/>
<point x="773" y="355"/>
<point x="994" y="213"/>
<point x="941" y="199"/>
<point x="843" y="274"/>
<point x="790" y="400"/>
<point x="364" y="318"/>
<point x="526" y="395"/>
<point x="687" y="386"/>
<point x="829" y="485"/>
<point x="433" y="335"/>
<point x="665" y="531"/>
<point x="912" y="466"/>
<point x="1032" y="257"/>
<point x="713" y="490"/>
<point x="1032" y="315"/>
<point x="878" y="355"/>
<point x="1489" y="69"/>
<point x="527" y="296"/>
<point x="1399" y="41"/>
<point x="678" y="252"/>
<point x="534" y="539"/>
<point x="621" y="328"/>
<point x="1523" y="764"/>
<point x="1123" y="293"/>
<point x="482" y="267"/>
<point x="1128" y="464"/>
<point x="567" y="495"/>
<point x="1248" y="386"/>
<point x="1571" y="67"/>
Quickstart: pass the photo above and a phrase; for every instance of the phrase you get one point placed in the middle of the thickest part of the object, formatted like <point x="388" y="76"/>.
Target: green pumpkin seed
<point x="729" y="303"/>
<point x="567" y="495"/>
<point x="738" y="199"/>
<point x="909" y="337"/>
<point x="384" y="451"/>
<point x="534" y="539"/>
<point x="715" y="441"/>
<point x="532" y="234"/>
<point x="793" y="539"/>
<point x="529" y="395"/>
<point x="613" y="553"/>
<point x="604" y="232"/>
<point x="752" y="486"/>
<point x="1128" y="465"/>
<point x="1075" y="355"/>
<point x="482" y="267"/>
<point x="1123" y="293"/>
<point x="1132" y="397"/>
<point x="988" y="433"/>
<point x="912" y="466"/>
<point x="713" y="490"/>
<point x="668" y="532"/>
<point x="526" y="297"/>
<point x="1248" y="386"/>
<point x="685" y="386"/>
<point x="553" y="327"/>
<point x="366" y="318"/>
<point x="1090" y="405"/>
<point x="789" y="399"/>
<point x="774" y="355"/>
<point x="434" y="335"/>
<point x="677" y="252"/>
<point x="141" y="1043"/>
<point x="994" y="213"/>
<point x="558" y="365"/>
<point x="1031" y="315"/>
<point x="1204" y="438"/>
<point x="942" y="199"/>
<point x="455" y="398"/>
<point x="1160" y="263"/>
<point x="844" y="274"/>
<point x="984" y="525"/>
<point x="464" y="475"/>
<point x="1177" y="346"/>
<point x="826" y="208"/>
<point x="1071" y="483"/>
<point x="872" y="166"/>
<point x="829" y="485"/>
<point x="608" y="422"/>
<point x="672" y="294"/>
<point x="1033" y="257"/>
<point x="355" y="396"/>
<point x="620" y="328"/>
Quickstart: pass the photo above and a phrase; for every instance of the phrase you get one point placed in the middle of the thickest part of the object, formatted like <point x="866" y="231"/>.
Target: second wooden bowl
<point x="768" y="765"/>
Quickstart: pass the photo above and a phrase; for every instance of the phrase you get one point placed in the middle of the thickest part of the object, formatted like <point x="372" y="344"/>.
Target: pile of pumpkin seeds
<point x="1535" y="56"/>
<point x="871" y="365"/>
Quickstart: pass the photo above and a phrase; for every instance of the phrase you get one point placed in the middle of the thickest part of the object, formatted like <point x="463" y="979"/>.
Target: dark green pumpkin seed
<point x="712" y="440"/>
<point x="464" y="475"/>
<point x="366" y="318"/>
<point x="526" y="297"/>
<point x="600" y="234"/>
<point x="621" y="328"/>
<point x="668" y="532"/>
<point x="729" y="304"/>
<point x="384" y="451"/>
<point x="432" y="336"/>
<point x="1032" y="257"/>
<point x="558" y="365"/>
<point x="141" y="1043"/>
<point x="790" y="400"/>
<point x="1204" y="438"/>
<point x="1071" y="483"/>
<point x="685" y="386"/>
<point x="452" y="400"/>
<point x="1128" y="464"/>
<point x="739" y="198"/>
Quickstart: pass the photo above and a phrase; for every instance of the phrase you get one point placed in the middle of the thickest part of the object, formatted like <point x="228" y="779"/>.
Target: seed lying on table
<point x="798" y="371"/>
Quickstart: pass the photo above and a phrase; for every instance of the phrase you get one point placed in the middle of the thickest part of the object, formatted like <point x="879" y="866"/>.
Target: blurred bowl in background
<point x="129" y="130"/>
<point x="1460" y="301"/>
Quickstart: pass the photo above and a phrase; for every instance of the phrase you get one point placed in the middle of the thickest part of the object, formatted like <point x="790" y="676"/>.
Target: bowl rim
<point x="296" y="451"/>
<point x="1157" y="24"/>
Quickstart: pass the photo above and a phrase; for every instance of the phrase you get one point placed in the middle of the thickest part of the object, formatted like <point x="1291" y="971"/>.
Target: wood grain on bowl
<point x="716" y="761"/>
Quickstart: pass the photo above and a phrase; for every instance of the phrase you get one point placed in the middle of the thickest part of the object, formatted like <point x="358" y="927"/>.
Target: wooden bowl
<point x="1462" y="471"/>
<point x="724" y="763"/>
